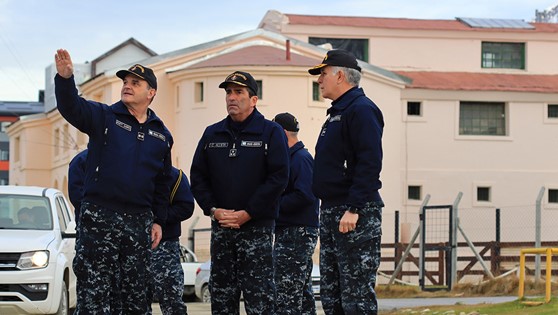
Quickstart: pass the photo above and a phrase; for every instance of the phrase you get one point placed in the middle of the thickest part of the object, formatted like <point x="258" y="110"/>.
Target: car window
<point x="22" y="212"/>
<point x="62" y="213"/>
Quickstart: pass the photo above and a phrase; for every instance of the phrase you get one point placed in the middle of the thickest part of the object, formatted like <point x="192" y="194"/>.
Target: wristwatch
<point x="212" y="213"/>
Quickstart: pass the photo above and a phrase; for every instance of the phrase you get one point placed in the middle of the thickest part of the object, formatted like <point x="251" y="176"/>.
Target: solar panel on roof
<point x="496" y="23"/>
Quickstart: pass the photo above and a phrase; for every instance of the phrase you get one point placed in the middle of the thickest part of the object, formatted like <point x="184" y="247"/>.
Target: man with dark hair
<point x="125" y="193"/>
<point x="347" y="169"/>
<point x="239" y="170"/>
<point x="296" y="230"/>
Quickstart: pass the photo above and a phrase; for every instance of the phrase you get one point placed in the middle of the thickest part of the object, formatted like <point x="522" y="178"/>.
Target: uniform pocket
<point x="369" y="226"/>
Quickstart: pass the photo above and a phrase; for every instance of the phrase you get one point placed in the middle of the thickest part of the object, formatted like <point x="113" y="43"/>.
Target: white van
<point x="37" y="247"/>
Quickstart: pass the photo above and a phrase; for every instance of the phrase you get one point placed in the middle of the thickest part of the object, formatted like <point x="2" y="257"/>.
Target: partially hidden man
<point x="296" y="230"/>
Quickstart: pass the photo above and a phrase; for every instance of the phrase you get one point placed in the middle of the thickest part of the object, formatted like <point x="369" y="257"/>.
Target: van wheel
<point x="205" y="294"/>
<point x="63" y="306"/>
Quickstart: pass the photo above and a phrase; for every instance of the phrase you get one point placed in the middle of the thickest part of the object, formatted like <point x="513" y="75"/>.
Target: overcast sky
<point x="32" y="30"/>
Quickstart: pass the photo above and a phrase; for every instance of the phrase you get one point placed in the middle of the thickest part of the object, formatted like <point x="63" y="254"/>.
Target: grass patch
<point x="509" y="308"/>
<point x="499" y="287"/>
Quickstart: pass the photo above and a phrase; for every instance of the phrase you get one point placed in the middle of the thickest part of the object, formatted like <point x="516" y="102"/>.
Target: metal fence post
<point x="396" y="238"/>
<point x="454" y="223"/>
<point x="538" y="234"/>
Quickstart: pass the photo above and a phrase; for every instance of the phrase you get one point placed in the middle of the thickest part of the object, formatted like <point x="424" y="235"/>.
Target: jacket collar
<point x="297" y="146"/>
<point x="345" y="100"/>
<point x="254" y="126"/>
<point x="121" y="109"/>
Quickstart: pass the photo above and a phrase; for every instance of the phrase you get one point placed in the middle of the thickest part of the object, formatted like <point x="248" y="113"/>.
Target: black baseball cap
<point x="336" y="57"/>
<point x="241" y="78"/>
<point x="141" y="72"/>
<point x="287" y="121"/>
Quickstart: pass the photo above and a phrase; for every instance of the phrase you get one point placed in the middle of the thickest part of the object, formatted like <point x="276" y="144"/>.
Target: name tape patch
<point x="156" y="134"/>
<point x="251" y="144"/>
<point x="123" y="125"/>
<point x="335" y="118"/>
<point x="219" y="145"/>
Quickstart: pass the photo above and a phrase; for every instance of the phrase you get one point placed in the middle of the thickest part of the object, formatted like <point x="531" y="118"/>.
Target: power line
<point x="23" y="69"/>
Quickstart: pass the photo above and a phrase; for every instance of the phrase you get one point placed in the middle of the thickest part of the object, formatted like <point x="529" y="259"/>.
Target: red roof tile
<point x="257" y="56"/>
<point x="403" y="23"/>
<point x="468" y="81"/>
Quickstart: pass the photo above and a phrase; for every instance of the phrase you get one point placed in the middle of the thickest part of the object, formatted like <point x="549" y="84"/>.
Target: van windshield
<point x="22" y="212"/>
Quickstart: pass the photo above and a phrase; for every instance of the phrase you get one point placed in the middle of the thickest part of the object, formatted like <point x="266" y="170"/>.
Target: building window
<point x="56" y="142"/>
<point x="552" y="111"/>
<point x="198" y="92"/>
<point x="16" y="149"/>
<point x="503" y="55"/>
<point x="358" y="46"/>
<point x="483" y="194"/>
<point x="553" y="196"/>
<point x="482" y="118"/>
<point x="316" y="93"/>
<point x="414" y="192"/>
<point x="4" y="125"/>
<point x="260" y="89"/>
<point x="177" y="96"/>
<point x="414" y="109"/>
<point x="67" y="139"/>
<point x="4" y="155"/>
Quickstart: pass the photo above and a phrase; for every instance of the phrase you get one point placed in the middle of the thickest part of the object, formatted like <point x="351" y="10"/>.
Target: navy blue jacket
<point x="246" y="169"/>
<point x="181" y="201"/>
<point x="128" y="163"/>
<point x="76" y="176"/>
<point x="181" y="205"/>
<point x="348" y="156"/>
<point x="299" y="206"/>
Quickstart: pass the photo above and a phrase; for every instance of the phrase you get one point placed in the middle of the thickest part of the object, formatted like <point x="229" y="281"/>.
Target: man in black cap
<point x="125" y="192"/>
<point x="296" y="230"/>
<point x="239" y="170"/>
<point x="347" y="169"/>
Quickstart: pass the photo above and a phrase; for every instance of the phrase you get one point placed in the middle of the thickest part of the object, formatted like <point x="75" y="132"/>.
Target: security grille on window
<point x="552" y="111"/>
<point x="482" y="118"/>
<point x="503" y="55"/>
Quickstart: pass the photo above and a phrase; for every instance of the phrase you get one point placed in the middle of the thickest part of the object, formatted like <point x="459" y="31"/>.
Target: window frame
<point x="503" y="55"/>
<point x="480" y="120"/>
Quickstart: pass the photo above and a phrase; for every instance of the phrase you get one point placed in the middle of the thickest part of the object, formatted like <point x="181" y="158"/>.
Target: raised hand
<point x="64" y="64"/>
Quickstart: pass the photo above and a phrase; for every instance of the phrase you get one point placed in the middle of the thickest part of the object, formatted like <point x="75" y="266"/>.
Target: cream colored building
<point x="459" y="116"/>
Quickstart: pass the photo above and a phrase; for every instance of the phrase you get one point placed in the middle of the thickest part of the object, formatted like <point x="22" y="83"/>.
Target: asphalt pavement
<point x="199" y="308"/>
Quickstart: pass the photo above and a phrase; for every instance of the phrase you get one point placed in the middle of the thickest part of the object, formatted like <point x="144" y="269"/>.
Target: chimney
<point x="288" y="50"/>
